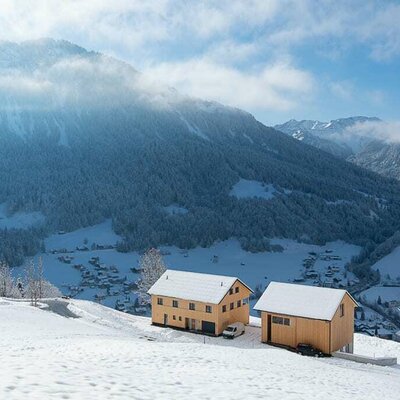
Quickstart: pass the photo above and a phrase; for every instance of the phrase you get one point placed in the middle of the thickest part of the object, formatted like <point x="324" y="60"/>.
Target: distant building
<point x="199" y="302"/>
<point x="293" y="314"/>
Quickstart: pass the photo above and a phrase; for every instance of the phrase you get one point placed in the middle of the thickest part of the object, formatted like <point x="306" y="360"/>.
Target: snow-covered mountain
<point x="350" y="139"/>
<point x="79" y="350"/>
<point x="85" y="137"/>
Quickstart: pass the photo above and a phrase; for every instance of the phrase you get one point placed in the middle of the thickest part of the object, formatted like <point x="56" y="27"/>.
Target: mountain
<point x="85" y="137"/>
<point x="350" y="139"/>
<point x="379" y="156"/>
<point x="110" y="354"/>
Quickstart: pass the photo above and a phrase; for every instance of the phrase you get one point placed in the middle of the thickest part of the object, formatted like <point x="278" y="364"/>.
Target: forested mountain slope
<point x="85" y="137"/>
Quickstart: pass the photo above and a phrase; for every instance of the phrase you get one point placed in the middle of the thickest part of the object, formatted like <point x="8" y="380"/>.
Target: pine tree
<point x="152" y="267"/>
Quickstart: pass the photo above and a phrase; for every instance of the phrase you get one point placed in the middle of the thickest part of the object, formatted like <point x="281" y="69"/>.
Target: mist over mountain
<point x="84" y="137"/>
<point x="366" y="141"/>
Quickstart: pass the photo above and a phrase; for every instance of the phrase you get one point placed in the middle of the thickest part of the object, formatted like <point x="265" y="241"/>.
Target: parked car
<point x="233" y="330"/>
<point x="308" y="350"/>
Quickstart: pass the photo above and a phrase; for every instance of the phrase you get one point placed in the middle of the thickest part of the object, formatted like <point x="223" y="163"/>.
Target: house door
<point x="192" y="324"/>
<point x="165" y="319"/>
<point x="269" y="328"/>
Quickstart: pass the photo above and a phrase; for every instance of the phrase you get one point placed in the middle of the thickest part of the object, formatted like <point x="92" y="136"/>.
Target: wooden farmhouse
<point x="293" y="314"/>
<point x="199" y="302"/>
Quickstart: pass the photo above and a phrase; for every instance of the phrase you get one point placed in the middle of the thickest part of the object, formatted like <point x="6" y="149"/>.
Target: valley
<point x="85" y="264"/>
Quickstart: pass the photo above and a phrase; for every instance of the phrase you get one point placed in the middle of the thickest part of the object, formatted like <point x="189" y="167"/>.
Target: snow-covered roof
<point x="300" y="300"/>
<point x="194" y="286"/>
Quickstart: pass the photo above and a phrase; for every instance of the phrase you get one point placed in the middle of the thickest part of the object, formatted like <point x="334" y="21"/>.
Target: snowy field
<point x="99" y="234"/>
<point x="249" y="189"/>
<point x="105" y="354"/>
<point x="224" y="258"/>
<point x="19" y="220"/>
<point x="386" y="293"/>
<point x="390" y="264"/>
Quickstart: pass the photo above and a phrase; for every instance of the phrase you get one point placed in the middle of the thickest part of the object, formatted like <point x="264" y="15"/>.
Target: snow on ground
<point x="19" y="220"/>
<point x="386" y="293"/>
<point x="389" y="265"/>
<point x="99" y="234"/>
<point x="248" y="189"/>
<point x="105" y="354"/>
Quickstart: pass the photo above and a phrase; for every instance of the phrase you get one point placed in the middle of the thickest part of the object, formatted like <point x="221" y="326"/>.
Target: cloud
<point x="278" y="86"/>
<point x="134" y="25"/>
<point x="387" y="131"/>
<point x="88" y="80"/>
<point x="240" y="44"/>
<point x="343" y="90"/>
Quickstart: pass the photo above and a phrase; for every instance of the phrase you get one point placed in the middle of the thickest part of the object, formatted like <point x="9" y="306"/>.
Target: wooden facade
<point x="202" y="317"/>
<point x="325" y="335"/>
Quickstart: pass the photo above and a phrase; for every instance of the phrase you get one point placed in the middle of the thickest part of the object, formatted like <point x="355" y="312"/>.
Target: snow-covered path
<point x="106" y="355"/>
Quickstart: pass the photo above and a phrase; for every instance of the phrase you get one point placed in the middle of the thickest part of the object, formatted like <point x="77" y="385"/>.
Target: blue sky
<point x="278" y="59"/>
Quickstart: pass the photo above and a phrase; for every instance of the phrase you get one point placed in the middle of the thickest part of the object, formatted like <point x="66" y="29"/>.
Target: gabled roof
<point x="194" y="286"/>
<point x="301" y="300"/>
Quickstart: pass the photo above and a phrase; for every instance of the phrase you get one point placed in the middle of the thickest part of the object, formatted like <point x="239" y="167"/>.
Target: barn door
<point x="269" y="328"/>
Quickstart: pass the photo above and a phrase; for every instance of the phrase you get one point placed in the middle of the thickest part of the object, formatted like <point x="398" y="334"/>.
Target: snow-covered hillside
<point x="105" y="354"/>
<point x="68" y="263"/>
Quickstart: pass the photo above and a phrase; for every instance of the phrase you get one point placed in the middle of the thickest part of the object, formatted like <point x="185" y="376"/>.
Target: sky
<point x="278" y="59"/>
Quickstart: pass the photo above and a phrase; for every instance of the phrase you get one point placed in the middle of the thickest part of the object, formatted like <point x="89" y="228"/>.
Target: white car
<point x="233" y="330"/>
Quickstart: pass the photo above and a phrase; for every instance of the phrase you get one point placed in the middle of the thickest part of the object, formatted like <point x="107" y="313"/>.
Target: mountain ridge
<point x="345" y="138"/>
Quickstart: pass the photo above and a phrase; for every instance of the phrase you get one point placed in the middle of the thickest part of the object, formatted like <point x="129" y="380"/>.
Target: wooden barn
<point x="293" y="314"/>
<point x="199" y="302"/>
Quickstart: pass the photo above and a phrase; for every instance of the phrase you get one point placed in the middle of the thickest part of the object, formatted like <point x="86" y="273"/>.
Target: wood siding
<point x="328" y="336"/>
<point x="314" y="332"/>
<point x="300" y="330"/>
<point x="217" y="316"/>
<point x="342" y="328"/>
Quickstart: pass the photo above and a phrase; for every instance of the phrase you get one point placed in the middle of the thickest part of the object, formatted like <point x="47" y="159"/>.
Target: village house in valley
<point x="199" y="302"/>
<point x="293" y="314"/>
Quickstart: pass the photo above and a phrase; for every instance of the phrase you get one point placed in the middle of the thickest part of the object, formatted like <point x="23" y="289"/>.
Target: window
<point x="175" y="303"/>
<point x="223" y="308"/>
<point x="208" y="309"/>
<point x="281" y="321"/>
<point x="232" y="306"/>
<point x="237" y="289"/>
<point x="174" y="317"/>
<point x="192" y="306"/>
<point x="160" y="301"/>
<point x="230" y="291"/>
<point x="239" y="303"/>
<point x="342" y="310"/>
<point x="245" y="301"/>
<point x="180" y="318"/>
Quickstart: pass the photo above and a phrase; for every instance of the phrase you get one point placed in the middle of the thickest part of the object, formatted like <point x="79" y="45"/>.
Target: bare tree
<point x="8" y="286"/>
<point x="32" y="283"/>
<point x="152" y="267"/>
<point x="37" y="287"/>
